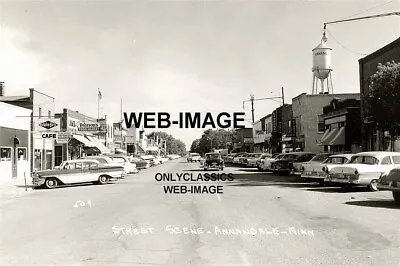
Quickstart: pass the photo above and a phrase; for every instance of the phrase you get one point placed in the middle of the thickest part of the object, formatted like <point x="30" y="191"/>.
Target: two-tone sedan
<point x="77" y="171"/>
<point x="315" y="171"/>
<point x="317" y="159"/>
<point x="285" y="165"/>
<point x="365" y="169"/>
<point x="213" y="161"/>
<point x="391" y="181"/>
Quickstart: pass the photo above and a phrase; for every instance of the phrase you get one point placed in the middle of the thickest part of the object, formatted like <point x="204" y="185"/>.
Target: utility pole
<point x="252" y="100"/>
<point x="283" y="97"/>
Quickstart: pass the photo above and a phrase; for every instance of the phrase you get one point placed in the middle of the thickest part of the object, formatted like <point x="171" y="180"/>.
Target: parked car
<point x="317" y="159"/>
<point x="129" y="167"/>
<point x="266" y="165"/>
<point x="285" y="164"/>
<point x="77" y="171"/>
<point x="261" y="159"/>
<point x="213" y="161"/>
<point x="149" y="158"/>
<point x="108" y="160"/>
<point x="391" y="181"/>
<point x="193" y="157"/>
<point x="251" y="160"/>
<point x="140" y="163"/>
<point x="229" y="158"/>
<point x="237" y="157"/>
<point x="317" y="171"/>
<point x="164" y="159"/>
<point x="365" y="169"/>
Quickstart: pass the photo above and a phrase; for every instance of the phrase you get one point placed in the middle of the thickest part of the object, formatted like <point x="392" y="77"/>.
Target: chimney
<point x="2" y="92"/>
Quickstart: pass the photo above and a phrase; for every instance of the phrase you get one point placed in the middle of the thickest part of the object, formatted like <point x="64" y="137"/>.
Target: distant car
<point x="251" y="160"/>
<point x="139" y="162"/>
<point x="391" y="181"/>
<point x="77" y="171"/>
<point x="129" y="167"/>
<point x="150" y="159"/>
<point x="285" y="165"/>
<point x="266" y="165"/>
<point x="317" y="171"/>
<point x="213" y="161"/>
<point x="365" y="168"/>
<point x="261" y="159"/>
<point x="193" y="157"/>
<point x="229" y="158"/>
<point x="317" y="159"/>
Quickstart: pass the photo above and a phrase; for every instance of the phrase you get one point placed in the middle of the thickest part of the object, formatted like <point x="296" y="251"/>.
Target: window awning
<point x="328" y="137"/>
<point x="121" y="151"/>
<point x="97" y="143"/>
<point x="84" y="140"/>
<point x="325" y="135"/>
<point x="139" y="148"/>
<point x="91" y="150"/>
<point x="339" y="138"/>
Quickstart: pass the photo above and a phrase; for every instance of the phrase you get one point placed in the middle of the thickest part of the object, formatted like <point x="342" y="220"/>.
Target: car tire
<point x="103" y="180"/>
<point x="50" y="183"/>
<point x="373" y="186"/>
<point x="396" y="196"/>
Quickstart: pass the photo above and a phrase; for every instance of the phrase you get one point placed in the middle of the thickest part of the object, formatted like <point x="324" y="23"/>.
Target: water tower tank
<point x="322" y="61"/>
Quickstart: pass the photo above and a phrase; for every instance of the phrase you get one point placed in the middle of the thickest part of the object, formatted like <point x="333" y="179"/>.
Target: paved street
<point x="290" y="223"/>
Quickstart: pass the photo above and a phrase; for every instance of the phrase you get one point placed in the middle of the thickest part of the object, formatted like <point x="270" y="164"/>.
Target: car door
<point x="386" y="164"/>
<point x="75" y="173"/>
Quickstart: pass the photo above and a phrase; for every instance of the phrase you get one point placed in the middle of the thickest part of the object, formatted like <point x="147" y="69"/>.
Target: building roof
<point x="382" y="50"/>
<point x="14" y="98"/>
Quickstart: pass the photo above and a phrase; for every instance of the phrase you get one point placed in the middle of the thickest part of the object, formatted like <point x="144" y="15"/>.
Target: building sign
<point x="89" y="127"/>
<point x="47" y="124"/>
<point x="63" y="137"/>
<point x="49" y="135"/>
<point x="260" y="132"/>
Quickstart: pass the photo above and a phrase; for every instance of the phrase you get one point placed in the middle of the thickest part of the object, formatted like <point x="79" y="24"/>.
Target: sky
<point x="182" y="56"/>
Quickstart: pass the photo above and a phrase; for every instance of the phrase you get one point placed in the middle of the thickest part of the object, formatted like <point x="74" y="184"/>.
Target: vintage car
<point x="391" y="181"/>
<point x="266" y="164"/>
<point x="317" y="159"/>
<point x="285" y="165"/>
<point x="115" y="160"/>
<point x="213" y="161"/>
<point x="316" y="171"/>
<point x="77" y="171"/>
<point x="238" y="157"/>
<point x="364" y="168"/>
<point x="261" y="159"/>
<point x="229" y="158"/>
<point x="139" y="162"/>
<point x="150" y="159"/>
<point x="251" y="160"/>
<point x="193" y="157"/>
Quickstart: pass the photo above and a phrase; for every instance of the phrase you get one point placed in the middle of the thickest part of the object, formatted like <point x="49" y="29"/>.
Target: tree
<point x="212" y="139"/>
<point x="174" y="146"/>
<point x="384" y="98"/>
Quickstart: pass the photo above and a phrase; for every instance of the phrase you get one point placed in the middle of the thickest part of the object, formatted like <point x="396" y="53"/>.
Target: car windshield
<point x="364" y="160"/>
<point x="319" y="158"/>
<point x="290" y="156"/>
<point x="194" y="154"/>
<point x="265" y="156"/>
<point x="213" y="156"/>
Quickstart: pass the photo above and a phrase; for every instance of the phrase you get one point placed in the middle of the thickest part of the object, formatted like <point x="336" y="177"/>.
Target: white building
<point x="15" y="142"/>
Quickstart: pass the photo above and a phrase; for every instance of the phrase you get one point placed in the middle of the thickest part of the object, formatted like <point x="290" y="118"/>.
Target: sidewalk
<point x="14" y="188"/>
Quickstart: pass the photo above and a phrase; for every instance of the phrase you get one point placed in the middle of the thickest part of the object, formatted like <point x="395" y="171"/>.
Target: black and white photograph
<point x="199" y="132"/>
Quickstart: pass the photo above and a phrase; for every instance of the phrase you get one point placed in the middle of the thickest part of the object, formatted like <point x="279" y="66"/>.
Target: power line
<point x="369" y="9"/>
<point x="352" y="51"/>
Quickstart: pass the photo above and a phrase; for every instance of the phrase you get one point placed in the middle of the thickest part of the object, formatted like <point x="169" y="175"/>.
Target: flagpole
<point x="98" y="104"/>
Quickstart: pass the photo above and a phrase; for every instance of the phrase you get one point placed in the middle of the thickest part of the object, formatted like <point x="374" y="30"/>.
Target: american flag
<point x="99" y="95"/>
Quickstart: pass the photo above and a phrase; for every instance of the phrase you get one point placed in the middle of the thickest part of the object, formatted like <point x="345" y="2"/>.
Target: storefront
<point x="14" y="142"/>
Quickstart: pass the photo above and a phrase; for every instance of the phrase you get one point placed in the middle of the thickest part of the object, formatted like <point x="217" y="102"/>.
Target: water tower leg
<point x="322" y="86"/>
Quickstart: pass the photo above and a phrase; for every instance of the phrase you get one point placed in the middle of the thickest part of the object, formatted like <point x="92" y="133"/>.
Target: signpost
<point x="63" y="137"/>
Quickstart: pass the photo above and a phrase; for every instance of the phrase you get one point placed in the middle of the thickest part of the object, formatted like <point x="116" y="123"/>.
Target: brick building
<point x="371" y="138"/>
<point x="309" y="125"/>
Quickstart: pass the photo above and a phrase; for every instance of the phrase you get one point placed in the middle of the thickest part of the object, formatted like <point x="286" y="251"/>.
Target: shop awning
<point x="139" y="148"/>
<point x="339" y="138"/>
<point x="331" y="134"/>
<point x="325" y="135"/>
<point x="120" y="151"/>
<point x="152" y="148"/>
<point x="91" y="150"/>
<point x="98" y="144"/>
<point x="84" y="140"/>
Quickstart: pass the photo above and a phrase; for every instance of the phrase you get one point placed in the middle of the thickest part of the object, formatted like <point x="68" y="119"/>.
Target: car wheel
<point x="373" y="186"/>
<point x="103" y="180"/>
<point x="50" y="183"/>
<point x="396" y="196"/>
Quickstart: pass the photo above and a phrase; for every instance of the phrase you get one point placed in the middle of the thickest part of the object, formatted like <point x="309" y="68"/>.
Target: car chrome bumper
<point x="37" y="181"/>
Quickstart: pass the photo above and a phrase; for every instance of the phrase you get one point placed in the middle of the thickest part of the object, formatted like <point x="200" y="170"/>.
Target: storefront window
<point x="22" y="155"/>
<point x="49" y="159"/>
<point x="38" y="159"/>
<point x="5" y="154"/>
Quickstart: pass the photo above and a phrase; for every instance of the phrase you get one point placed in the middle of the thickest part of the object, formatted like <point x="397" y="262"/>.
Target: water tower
<point x="322" y="68"/>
